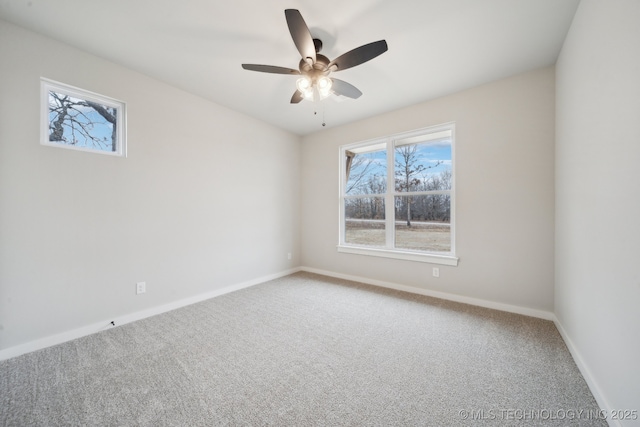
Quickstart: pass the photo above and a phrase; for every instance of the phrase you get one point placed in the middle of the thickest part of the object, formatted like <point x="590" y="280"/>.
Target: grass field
<point x="420" y="236"/>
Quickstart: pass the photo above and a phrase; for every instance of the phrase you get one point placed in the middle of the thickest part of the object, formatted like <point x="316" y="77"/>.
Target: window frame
<point x="47" y="85"/>
<point x="389" y="251"/>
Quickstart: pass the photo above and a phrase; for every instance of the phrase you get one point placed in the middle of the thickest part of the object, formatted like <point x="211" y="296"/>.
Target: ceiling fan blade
<point x="359" y="55"/>
<point x="300" y="34"/>
<point x="269" y="69"/>
<point x="297" y="97"/>
<point x="340" y="87"/>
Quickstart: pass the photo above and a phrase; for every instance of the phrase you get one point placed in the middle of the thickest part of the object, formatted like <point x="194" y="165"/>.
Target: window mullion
<point x="389" y="198"/>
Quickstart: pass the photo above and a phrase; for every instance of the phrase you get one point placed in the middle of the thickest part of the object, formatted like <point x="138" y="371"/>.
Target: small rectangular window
<point x="397" y="196"/>
<point x="81" y="120"/>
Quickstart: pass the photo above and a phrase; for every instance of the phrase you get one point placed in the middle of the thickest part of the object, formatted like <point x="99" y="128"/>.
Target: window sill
<point x="396" y="254"/>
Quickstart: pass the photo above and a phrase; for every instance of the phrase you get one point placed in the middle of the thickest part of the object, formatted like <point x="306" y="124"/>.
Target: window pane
<point x="423" y="223"/>
<point x="424" y="166"/>
<point x="364" y="221"/>
<point x="81" y="123"/>
<point x="77" y="119"/>
<point x="366" y="172"/>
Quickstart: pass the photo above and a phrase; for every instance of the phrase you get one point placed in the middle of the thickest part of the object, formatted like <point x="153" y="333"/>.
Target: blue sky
<point x="428" y="154"/>
<point x="100" y="129"/>
<point x="431" y="153"/>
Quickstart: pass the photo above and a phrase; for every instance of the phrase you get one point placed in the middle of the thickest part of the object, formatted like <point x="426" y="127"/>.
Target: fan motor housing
<point x="319" y="68"/>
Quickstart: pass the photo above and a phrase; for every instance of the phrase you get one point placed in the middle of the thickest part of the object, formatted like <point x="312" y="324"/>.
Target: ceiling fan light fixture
<point x="303" y="84"/>
<point x="324" y="86"/>
<point x="305" y="87"/>
<point x="308" y="87"/>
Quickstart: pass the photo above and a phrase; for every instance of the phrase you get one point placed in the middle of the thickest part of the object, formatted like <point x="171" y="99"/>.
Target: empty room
<point x="420" y="213"/>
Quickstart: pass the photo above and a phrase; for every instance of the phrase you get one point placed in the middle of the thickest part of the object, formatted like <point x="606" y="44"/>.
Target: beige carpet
<point x="305" y="350"/>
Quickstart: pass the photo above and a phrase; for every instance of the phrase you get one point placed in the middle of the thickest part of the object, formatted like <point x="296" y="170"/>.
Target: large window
<point x="80" y="120"/>
<point x="397" y="196"/>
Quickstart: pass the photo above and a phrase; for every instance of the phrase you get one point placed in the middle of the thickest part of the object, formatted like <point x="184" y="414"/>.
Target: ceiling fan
<point x="315" y="68"/>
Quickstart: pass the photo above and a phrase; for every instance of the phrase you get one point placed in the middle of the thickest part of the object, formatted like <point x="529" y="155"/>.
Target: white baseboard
<point x="586" y="373"/>
<point x="122" y="320"/>
<point x="60" y="338"/>
<point x="100" y="326"/>
<point x="546" y="315"/>
<point x="541" y="314"/>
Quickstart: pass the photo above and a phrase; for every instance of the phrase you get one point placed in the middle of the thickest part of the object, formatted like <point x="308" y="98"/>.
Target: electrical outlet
<point x="289" y="255"/>
<point x="436" y="272"/>
<point x="141" y="288"/>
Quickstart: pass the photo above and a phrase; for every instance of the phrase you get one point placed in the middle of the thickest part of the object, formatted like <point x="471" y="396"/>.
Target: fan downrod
<point x="317" y="43"/>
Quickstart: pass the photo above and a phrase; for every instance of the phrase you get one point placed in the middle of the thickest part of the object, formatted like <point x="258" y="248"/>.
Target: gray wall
<point x="504" y="164"/>
<point x="207" y="198"/>
<point x="597" y="290"/>
<point x="78" y="230"/>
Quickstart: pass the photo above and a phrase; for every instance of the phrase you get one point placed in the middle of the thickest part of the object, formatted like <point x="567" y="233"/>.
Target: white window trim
<point x="47" y="85"/>
<point x="447" y="258"/>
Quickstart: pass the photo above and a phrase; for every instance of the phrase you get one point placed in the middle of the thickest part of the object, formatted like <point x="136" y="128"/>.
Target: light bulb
<point x="303" y="84"/>
<point x="308" y="94"/>
<point x="324" y="83"/>
<point x="324" y="86"/>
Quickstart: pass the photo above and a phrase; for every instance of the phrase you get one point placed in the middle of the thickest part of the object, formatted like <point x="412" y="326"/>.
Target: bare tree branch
<point x="69" y="113"/>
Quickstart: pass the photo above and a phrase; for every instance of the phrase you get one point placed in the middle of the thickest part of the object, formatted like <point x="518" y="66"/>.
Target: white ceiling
<point x="436" y="47"/>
